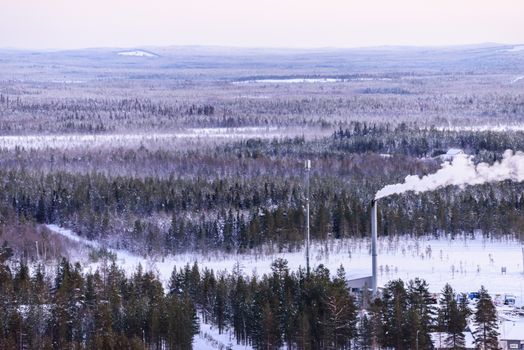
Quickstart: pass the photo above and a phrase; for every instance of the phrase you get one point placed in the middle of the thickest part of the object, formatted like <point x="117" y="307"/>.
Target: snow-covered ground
<point x="306" y="80"/>
<point x="291" y="81"/>
<point x="67" y="141"/>
<point x="516" y="48"/>
<point x="137" y="53"/>
<point x="210" y="338"/>
<point x="494" y="128"/>
<point x="68" y="81"/>
<point x="517" y="79"/>
<point x="464" y="263"/>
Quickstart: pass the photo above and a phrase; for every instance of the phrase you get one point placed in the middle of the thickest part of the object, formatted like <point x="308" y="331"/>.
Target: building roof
<point x="451" y="153"/>
<point x="454" y="151"/>
<point x="511" y="330"/>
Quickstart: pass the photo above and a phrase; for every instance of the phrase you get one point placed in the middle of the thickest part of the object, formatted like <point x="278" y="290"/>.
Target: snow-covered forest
<point x="199" y="153"/>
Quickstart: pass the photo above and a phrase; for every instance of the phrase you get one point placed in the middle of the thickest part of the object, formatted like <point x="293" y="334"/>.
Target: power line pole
<point x="307" y="167"/>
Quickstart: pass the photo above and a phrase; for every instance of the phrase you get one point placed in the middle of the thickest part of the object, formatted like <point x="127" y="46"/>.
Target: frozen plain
<point x="464" y="262"/>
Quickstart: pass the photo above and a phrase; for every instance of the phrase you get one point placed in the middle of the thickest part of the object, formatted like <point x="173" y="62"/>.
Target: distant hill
<point x="234" y="63"/>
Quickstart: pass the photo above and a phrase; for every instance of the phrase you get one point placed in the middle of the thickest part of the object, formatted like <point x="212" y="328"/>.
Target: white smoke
<point x="460" y="172"/>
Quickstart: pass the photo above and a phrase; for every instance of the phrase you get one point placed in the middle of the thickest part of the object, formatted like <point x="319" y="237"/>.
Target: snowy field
<point x="480" y="128"/>
<point x="517" y="79"/>
<point x="135" y="140"/>
<point x="307" y="80"/>
<point x="137" y="53"/>
<point x="464" y="263"/>
<point x="516" y="48"/>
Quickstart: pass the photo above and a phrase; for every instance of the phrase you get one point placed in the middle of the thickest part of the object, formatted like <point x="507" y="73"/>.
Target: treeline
<point x="101" y="115"/>
<point x="158" y="216"/>
<point x="250" y="194"/>
<point x="107" y="310"/>
<point x="59" y="109"/>
<point x="282" y="308"/>
<point x="386" y="139"/>
<point x="70" y="309"/>
<point x="424" y="142"/>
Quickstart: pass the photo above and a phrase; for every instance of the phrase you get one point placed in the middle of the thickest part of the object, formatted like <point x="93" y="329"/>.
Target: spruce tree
<point x="341" y="312"/>
<point x="485" y="321"/>
<point x="452" y="319"/>
<point x="396" y="326"/>
<point x="420" y="313"/>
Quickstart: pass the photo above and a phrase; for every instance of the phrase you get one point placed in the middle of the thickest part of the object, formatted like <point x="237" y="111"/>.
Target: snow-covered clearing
<point x="306" y="80"/>
<point x="130" y="140"/>
<point x="290" y="81"/>
<point x="137" y="53"/>
<point x="210" y="338"/>
<point x="516" y="48"/>
<point x="480" y="128"/>
<point x="68" y="81"/>
<point x="464" y="263"/>
<point x="517" y="79"/>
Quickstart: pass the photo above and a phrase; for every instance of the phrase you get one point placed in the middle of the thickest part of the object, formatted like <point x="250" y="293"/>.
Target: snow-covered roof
<point x="454" y="151"/>
<point x="510" y="330"/>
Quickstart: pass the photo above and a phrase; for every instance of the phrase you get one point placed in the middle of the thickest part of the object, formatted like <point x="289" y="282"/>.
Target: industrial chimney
<point x="374" y="246"/>
<point x="307" y="167"/>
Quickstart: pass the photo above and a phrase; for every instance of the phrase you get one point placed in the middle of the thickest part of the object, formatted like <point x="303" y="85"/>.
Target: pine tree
<point x="485" y="321"/>
<point x="240" y="313"/>
<point x="341" y="312"/>
<point x="376" y="326"/>
<point x="220" y="310"/>
<point x="181" y="322"/>
<point x="420" y="313"/>
<point x="396" y="327"/>
<point x="452" y="318"/>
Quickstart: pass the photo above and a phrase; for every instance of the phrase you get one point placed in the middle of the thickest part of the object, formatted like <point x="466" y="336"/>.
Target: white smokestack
<point x="374" y="247"/>
<point x="460" y="172"/>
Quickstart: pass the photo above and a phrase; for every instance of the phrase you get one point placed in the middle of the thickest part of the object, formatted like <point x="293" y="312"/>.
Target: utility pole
<point x="307" y="166"/>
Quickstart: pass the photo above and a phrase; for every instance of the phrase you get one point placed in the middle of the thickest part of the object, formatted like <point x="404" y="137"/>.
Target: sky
<point x="60" y="24"/>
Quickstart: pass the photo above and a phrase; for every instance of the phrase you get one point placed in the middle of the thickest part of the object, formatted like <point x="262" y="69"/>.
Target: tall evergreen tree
<point x="420" y="313"/>
<point x="452" y="319"/>
<point x="341" y="312"/>
<point x="396" y="326"/>
<point x="485" y="321"/>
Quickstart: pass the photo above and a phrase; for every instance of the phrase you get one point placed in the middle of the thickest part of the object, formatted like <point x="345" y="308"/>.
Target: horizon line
<point x="261" y="47"/>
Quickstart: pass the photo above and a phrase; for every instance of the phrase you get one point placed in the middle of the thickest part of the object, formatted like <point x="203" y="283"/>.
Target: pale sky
<point x="258" y="23"/>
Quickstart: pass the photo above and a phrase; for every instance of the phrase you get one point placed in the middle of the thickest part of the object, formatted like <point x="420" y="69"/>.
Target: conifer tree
<point x="341" y="312"/>
<point x="396" y="327"/>
<point x="420" y="313"/>
<point x="452" y="319"/>
<point x="485" y="321"/>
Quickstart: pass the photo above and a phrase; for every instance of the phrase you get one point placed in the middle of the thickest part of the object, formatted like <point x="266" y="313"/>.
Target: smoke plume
<point x="460" y="172"/>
